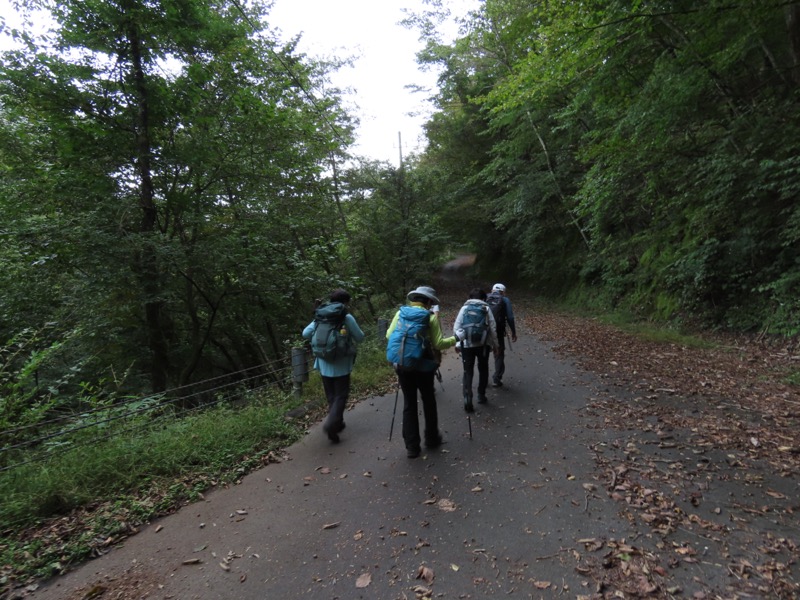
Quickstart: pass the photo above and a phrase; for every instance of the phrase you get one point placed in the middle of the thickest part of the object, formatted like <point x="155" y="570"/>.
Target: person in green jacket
<point x="421" y="380"/>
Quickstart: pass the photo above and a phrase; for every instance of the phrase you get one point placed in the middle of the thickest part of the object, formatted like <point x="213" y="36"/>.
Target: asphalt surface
<point x="513" y="504"/>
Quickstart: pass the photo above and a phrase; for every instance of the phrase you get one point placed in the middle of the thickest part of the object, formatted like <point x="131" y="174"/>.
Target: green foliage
<point x="637" y="157"/>
<point x="163" y="192"/>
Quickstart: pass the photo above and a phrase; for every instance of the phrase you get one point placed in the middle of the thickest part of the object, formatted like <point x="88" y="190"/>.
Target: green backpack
<point x="331" y="339"/>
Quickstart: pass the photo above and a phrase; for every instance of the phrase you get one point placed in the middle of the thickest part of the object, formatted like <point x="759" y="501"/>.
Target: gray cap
<point x="424" y="290"/>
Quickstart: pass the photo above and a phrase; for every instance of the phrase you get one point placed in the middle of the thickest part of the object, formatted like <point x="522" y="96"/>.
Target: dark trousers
<point x="337" y="389"/>
<point x="468" y="357"/>
<point x="412" y="382"/>
<point x="500" y="357"/>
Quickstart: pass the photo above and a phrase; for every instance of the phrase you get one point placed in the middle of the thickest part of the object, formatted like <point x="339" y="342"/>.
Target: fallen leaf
<point x="477" y="488"/>
<point x="425" y="573"/>
<point x="446" y="505"/>
<point x="363" y="580"/>
<point x="331" y="525"/>
<point x="454" y="567"/>
<point x="191" y="561"/>
<point x="542" y="585"/>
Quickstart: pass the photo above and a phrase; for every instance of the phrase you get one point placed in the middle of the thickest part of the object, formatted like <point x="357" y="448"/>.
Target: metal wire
<point x="171" y="405"/>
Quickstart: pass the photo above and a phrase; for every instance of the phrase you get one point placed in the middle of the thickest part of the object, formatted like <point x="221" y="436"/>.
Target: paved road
<point x="510" y="510"/>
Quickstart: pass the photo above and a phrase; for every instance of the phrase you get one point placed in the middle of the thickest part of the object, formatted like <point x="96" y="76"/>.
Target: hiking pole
<point x="510" y="345"/>
<point x="439" y="377"/>
<point x="394" y="412"/>
<point x="469" y="422"/>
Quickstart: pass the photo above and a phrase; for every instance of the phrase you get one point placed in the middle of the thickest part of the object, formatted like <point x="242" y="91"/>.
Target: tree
<point x="170" y="159"/>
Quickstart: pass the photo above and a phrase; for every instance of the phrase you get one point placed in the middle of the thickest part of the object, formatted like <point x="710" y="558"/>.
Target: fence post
<point x="299" y="370"/>
<point x="383" y="326"/>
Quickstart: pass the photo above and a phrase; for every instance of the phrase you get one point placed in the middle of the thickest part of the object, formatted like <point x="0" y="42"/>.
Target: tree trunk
<point x="793" y="28"/>
<point x="148" y="268"/>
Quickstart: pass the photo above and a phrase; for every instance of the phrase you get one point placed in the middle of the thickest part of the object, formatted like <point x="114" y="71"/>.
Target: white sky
<point x="385" y="63"/>
<point x="386" y="51"/>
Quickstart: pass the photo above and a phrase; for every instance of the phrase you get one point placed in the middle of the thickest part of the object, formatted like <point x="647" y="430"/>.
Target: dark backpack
<point x="331" y="339"/>
<point x="498" y="308"/>
<point x="475" y="322"/>
<point x="408" y="348"/>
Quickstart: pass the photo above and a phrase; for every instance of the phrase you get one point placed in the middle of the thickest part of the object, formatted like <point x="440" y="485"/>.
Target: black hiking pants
<point x="412" y="382"/>
<point x="500" y="357"/>
<point x="337" y="389"/>
<point x="468" y="357"/>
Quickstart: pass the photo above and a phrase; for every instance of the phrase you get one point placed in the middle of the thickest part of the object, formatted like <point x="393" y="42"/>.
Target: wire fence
<point x="36" y="443"/>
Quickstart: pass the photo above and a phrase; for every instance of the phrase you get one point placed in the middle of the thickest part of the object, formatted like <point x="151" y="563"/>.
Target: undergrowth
<point x="59" y="513"/>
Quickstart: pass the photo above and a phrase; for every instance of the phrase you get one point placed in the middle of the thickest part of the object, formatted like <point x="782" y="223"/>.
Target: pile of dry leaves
<point x="702" y="449"/>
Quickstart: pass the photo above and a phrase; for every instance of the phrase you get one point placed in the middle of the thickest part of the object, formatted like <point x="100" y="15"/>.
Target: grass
<point x="105" y="489"/>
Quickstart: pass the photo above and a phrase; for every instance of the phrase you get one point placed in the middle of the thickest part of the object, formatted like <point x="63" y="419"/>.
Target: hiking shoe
<point x="332" y="435"/>
<point x="413" y="452"/>
<point x="497" y="383"/>
<point x="482" y="399"/>
<point x="434" y="442"/>
<point x="468" y="404"/>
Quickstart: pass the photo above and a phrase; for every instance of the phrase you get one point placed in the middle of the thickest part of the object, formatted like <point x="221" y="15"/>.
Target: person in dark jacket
<point x="504" y="316"/>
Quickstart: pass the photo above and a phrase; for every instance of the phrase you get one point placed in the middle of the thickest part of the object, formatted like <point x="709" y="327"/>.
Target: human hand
<point x="514" y="337"/>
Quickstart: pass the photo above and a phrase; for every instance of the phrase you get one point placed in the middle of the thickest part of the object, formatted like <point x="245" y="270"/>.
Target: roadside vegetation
<point x="177" y="190"/>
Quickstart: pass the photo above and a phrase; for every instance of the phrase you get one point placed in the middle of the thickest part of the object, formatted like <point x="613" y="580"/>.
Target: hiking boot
<point x="482" y="399"/>
<point x="413" y="452"/>
<point x="468" y="404"/>
<point x="433" y="441"/>
<point x="497" y="383"/>
<point x="332" y="435"/>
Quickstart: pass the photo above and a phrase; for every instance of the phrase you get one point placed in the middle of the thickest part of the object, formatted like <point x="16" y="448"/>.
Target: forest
<point x="177" y="187"/>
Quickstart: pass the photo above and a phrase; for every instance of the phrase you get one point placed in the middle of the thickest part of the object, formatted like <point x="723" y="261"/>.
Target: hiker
<point x="503" y="315"/>
<point x="335" y="366"/>
<point x="476" y="329"/>
<point x="414" y="340"/>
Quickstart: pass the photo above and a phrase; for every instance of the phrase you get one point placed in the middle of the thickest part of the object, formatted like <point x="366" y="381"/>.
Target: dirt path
<point x="606" y="467"/>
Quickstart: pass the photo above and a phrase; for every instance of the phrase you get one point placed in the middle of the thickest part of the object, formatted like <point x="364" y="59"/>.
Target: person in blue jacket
<point x="336" y="373"/>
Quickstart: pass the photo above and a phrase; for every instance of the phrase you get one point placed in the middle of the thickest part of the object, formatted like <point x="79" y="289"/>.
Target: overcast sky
<point x="387" y="51"/>
<point x="385" y="65"/>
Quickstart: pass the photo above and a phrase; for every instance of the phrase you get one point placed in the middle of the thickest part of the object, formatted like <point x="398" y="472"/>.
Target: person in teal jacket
<point x="411" y="382"/>
<point x="336" y="373"/>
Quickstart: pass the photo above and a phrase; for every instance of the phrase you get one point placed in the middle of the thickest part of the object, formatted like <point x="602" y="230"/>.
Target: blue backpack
<point x="409" y="347"/>
<point x="475" y="322"/>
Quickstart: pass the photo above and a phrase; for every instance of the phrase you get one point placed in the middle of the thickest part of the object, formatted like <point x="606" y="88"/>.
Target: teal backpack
<point x="475" y="322"/>
<point x="331" y="339"/>
<point x="409" y="348"/>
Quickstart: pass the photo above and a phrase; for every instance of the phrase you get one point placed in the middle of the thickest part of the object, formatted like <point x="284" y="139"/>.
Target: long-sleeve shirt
<point x="458" y="329"/>
<point x="509" y="318"/>
<point x="438" y="341"/>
